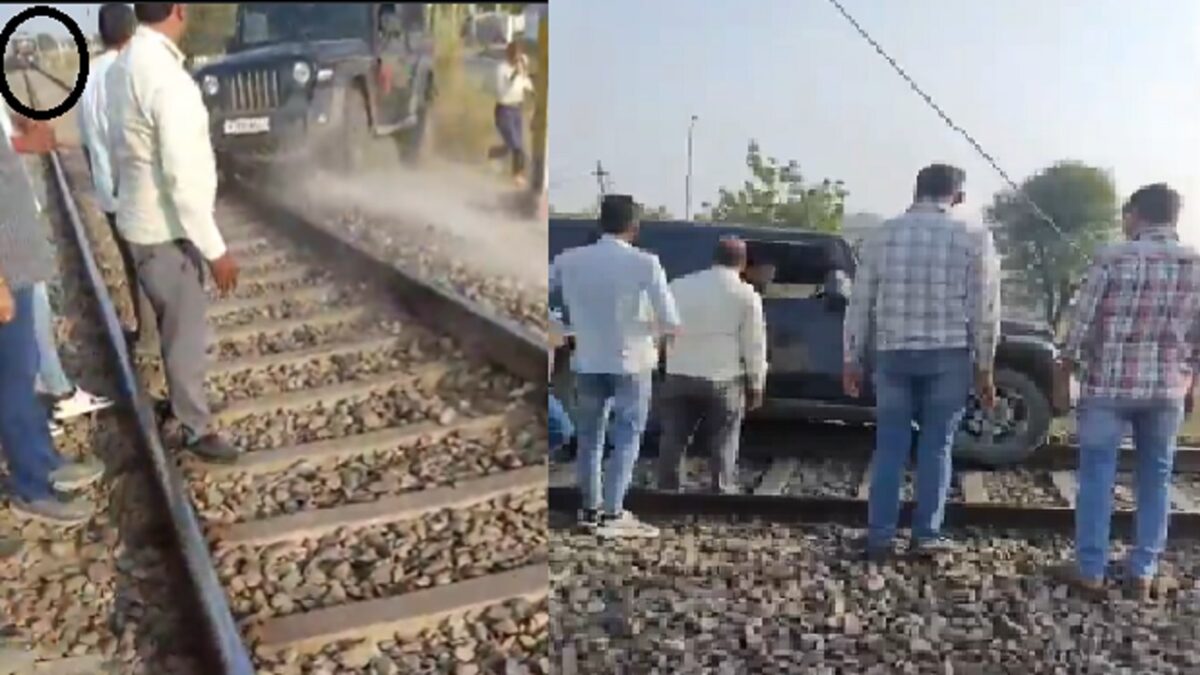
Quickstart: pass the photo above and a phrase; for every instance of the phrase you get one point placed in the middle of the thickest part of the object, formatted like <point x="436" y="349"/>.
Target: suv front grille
<point x="250" y="91"/>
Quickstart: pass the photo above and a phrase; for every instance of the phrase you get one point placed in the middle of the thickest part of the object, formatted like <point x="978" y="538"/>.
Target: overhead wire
<point x="1037" y="210"/>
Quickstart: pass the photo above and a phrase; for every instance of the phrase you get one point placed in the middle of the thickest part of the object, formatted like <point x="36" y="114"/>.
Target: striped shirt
<point x="925" y="280"/>
<point x="25" y="253"/>
<point x="1135" y="329"/>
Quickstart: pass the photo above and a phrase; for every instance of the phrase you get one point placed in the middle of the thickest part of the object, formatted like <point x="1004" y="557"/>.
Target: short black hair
<point x="618" y="214"/>
<point x="1157" y="204"/>
<point x="153" y="12"/>
<point x="940" y="181"/>
<point x="117" y="23"/>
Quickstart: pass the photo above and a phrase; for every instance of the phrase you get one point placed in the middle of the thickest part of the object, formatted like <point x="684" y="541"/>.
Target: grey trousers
<point x="172" y="276"/>
<point x="145" y="330"/>
<point x="710" y="414"/>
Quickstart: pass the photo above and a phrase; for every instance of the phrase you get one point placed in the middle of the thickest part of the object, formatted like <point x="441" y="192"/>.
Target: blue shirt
<point x="618" y="303"/>
<point x="92" y="116"/>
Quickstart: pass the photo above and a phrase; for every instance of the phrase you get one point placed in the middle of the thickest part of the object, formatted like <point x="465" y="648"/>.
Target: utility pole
<point x="601" y="179"/>
<point x="687" y="207"/>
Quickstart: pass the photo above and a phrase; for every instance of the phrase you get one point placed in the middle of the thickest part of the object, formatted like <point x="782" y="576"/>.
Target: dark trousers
<point x="172" y="276"/>
<point x="144" y="335"/>
<point x="512" y="132"/>
<point x="707" y="412"/>
<point x="24" y="432"/>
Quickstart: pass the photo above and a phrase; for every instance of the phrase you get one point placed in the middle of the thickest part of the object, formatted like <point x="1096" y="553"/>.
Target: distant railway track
<point x="395" y="472"/>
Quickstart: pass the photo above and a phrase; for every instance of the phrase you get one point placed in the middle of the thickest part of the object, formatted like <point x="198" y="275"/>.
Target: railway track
<point x="389" y="513"/>
<point x="822" y="474"/>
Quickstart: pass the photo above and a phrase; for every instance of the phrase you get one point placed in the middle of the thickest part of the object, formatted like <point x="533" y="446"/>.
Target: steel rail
<point x="225" y="640"/>
<point x="853" y="512"/>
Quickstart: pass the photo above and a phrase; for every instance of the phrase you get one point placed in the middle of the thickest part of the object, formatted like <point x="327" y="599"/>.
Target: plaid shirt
<point x="1136" y="321"/>
<point x="925" y="280"/>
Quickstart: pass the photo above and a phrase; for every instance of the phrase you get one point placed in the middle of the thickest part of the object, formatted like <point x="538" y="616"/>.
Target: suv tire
<point x="1012" y="388"/>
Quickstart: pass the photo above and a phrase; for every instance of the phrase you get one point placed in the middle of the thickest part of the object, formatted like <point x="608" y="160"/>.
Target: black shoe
<point x="587" y="521"/>
<point x="934" y="547"/>
<point x="213" y="448"/>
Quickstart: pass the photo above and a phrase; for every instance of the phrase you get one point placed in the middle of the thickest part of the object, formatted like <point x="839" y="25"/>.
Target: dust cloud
<point x="464" y="213"/>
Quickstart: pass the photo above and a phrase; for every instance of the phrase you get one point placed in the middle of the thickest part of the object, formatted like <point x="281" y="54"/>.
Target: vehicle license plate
<point x="247" y="125"/>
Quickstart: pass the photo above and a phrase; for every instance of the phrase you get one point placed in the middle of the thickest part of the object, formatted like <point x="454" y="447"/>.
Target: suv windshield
<point x="262" y="23"/>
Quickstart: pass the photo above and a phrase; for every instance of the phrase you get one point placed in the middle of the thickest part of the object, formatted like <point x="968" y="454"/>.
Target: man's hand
<point x="37" y="139"/>
<point x="8" y="305"/>
<point x="225" y="273"/>
<point x="852" y="380"/>
<point x="754" y="399"/>
<point x="985" y="388"/>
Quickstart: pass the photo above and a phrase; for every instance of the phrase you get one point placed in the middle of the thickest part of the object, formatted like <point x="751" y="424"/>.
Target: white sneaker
<point x="79" y="403"/>
<point x="625" y="526"/>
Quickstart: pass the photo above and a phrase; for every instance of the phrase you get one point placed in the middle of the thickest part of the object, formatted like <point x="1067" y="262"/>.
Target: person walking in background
<point x="512" y="84"/>
<point x="927" y="298"/>
<point x="35" y="469"/>
<point x="716" y="369"/>
<point x="62" y="396"/>
<point x="166" y="194"/>
<point x="117" y="24"/>
<point x="619" y="304"/>
<point x="1134" y="340"/>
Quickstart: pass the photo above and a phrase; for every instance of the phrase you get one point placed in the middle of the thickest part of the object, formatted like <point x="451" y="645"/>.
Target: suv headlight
<point x="301" y="73"/>
<point x="210" y="85"/>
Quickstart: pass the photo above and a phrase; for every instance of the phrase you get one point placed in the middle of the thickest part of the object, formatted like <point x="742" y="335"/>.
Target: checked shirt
<point x="925" y="281"/>
<point x="1136" y="321"/>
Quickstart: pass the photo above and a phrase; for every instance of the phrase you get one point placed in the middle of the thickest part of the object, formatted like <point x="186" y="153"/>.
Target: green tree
<point x="46" y="42"/>
<point x="209" y="27"/>
<point x="657" y="213"/>
<point x="776" y="194"/>
<point x="1046" y="266"/>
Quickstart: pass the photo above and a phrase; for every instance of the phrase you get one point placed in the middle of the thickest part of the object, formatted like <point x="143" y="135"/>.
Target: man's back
<point x="714" y="306"/>
<point x="1140" y="318"/>
<point x="930" y="281"/>
<point x="607" y="288"/>
<point x="159" y="137"/>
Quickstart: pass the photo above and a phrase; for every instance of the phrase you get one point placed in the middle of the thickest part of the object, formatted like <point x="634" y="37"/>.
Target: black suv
<point x="337" y="84"/>
<point x="805" y="306"/>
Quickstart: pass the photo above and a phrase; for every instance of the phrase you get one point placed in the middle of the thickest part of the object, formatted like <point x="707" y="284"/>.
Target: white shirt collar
<point x="614" y="239"/>
<point x="152" y="34"/>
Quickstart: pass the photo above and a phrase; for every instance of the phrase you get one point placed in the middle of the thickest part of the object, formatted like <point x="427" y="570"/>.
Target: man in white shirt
<point x="512" y="84"/>
<point x="166" y="181"/>
<point x="618" y="303"/>
<point x="716" y="367"/>
<point x="117" y="23"/>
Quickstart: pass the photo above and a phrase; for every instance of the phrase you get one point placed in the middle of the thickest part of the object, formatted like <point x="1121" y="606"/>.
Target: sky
<point x="83" y="14"/>
<point x="1110" y="83"/>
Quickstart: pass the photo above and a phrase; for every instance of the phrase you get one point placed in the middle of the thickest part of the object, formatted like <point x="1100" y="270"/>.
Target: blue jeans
<point x="628" y="397"/>
<point x="560" y="427"/>
<point x="1102" y="423"/>
<point x="930" y="387"/>
<point x="50" y="370"/>
<point x="24" y="427"/>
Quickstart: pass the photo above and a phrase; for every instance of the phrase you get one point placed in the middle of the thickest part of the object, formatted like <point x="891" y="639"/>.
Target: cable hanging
<point x="949" y="122"/>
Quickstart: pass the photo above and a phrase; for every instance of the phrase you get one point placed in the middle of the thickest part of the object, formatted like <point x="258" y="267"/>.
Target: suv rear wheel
<point x="1017" y="427"/>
